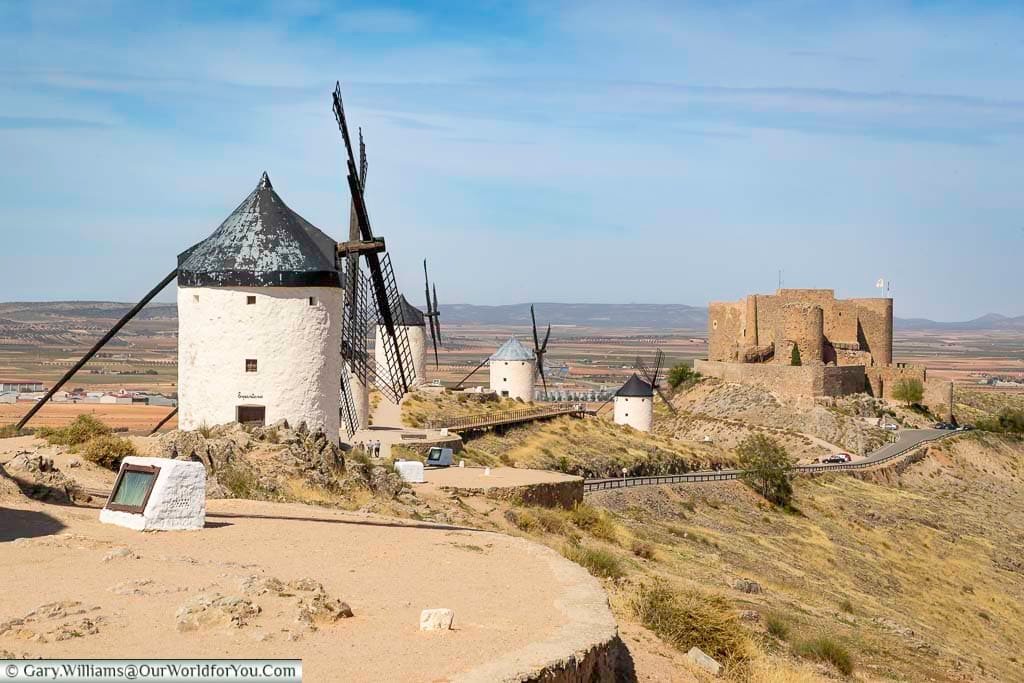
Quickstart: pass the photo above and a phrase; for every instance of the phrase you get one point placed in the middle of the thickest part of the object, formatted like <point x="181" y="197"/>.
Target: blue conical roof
<point x="513" y="350"/>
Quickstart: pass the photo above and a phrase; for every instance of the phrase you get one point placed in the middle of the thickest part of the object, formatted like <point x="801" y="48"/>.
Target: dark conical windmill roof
<point x="262" y="243"/>
<point x="411" y="316"/>
<point x="635" y="386"/>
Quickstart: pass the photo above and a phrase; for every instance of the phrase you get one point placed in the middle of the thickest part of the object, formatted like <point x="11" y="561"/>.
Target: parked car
<point x="891" y="427"/>
<point x="966" y="428"/>
<point x="834" y="459"/>
<point x="942" y="425"/>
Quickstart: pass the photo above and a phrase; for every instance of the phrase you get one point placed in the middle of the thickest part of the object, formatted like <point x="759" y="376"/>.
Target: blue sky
<point x="598" y="152"/>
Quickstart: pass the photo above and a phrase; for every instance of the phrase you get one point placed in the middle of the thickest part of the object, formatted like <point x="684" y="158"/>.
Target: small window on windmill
<point x="250" y="300"/>
<point x="714" y="324"/>
<point x="312" y="301"/>
<point x="132" y="488"/>
<point x="250" y="365"/>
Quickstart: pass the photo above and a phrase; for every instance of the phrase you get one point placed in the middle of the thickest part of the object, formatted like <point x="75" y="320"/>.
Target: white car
<point x="891" y="427"/>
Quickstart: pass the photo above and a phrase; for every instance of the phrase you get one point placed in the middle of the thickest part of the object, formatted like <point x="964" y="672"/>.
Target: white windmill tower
<point x="259" y="306"/>
<point x="513" y="367"/>
<point x="634" y="401"/>
<point x="634" y="404"/>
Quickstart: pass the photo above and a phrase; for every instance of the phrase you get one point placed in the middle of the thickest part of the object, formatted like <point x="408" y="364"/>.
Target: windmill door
<point x="251" y="415"/>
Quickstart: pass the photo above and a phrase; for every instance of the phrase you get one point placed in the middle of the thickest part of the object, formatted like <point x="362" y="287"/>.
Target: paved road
<point x="906" y="440"/>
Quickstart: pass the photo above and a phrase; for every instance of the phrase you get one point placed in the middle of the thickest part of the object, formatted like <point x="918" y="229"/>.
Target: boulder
<point x="697" y="656"/>
<point x="436" y="619"/>
<point x="747" y="586"/>
<point x="210" y="610"/>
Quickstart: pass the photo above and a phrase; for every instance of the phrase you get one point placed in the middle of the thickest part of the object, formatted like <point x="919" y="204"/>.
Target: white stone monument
<point x="157" y="494"/>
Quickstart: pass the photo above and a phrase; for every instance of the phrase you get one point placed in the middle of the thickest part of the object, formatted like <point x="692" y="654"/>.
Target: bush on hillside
<point x="84" y="428"/>
<point x="682" y="374"/>
<point x="767" y="468"/>
<point x="909" y="391"/>
<point x="107" y="451"/>
<point x="1009" y="421"/>
<point x="11" y="430"/>
<point x="825" y="649"/>
<point x="688" y="618"/>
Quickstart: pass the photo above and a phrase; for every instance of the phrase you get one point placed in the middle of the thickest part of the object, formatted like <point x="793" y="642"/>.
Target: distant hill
<point x="653" y="316"/>
<point x="665" y="316"/>
<point x="990" y="321"/>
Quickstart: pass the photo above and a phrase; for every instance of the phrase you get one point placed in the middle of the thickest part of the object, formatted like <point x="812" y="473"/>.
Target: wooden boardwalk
<point x="482" y="421"/>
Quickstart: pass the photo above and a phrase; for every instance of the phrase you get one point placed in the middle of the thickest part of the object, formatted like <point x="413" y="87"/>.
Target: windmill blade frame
<point x="398" y="353"/>
<point x="435" y="331"/>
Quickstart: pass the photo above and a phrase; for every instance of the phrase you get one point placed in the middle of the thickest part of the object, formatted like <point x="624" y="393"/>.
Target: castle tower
<point x="259" y="307"/>
<point x="513" y="368"/>
<point x="634" y="404"/>
<point x="416" y="330"/>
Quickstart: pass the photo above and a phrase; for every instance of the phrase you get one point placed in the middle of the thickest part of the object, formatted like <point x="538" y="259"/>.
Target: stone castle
<point x="805" y="342"/>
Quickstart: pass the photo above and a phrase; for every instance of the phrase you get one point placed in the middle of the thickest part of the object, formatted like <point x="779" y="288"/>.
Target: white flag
<point x="881" y="283"/>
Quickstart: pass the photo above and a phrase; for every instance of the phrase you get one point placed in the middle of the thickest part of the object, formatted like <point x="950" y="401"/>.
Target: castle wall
<point x="725" y="330"/>
<point x="789" y="380"/>
<point x="882" y="380"/>
<point x="875" y="328"/>
<point x="296" y="346"/>
<point x="852" y="331"/>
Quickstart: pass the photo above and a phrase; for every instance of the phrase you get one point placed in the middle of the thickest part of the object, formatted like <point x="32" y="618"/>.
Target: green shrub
<point x="766" y="468"/>
<point x="682" y="374"/>
<point x="598" y="562"/>
<point x="794" y="357"/>
<point x="643" y="549"/>
<point x="777" y="625"/>
<point x="84" y="428"/>
<point x="908" y="390"/>
<point x="1008" y="421"/>
<point x="107" y="451"/>
<point x="825" y="649"/>
<point x="11" y="430"/>
<point x="689" y="618"/>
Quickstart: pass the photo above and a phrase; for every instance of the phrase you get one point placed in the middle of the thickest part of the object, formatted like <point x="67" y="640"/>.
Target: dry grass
<point x="686" y="618"/>
<point x="598" y="561"/>
<point x="826" y="649"/>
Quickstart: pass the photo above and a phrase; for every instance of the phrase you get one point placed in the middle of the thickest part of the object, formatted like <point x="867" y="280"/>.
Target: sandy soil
<point x="119" y="591"/>
<point x="138" y="418"/>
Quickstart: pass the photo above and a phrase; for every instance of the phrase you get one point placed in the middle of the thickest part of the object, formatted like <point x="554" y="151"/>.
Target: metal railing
<point x="485" y="420"/>
<point x="591" y="485"/>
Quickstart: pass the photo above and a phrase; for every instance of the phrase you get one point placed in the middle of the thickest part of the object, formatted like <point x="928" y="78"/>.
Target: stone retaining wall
<point x="564" y="494"/>
<point x="789" y="380"/>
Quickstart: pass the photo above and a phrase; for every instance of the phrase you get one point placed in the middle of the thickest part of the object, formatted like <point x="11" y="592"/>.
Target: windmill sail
<point x="398" y="354"/>
<point x="653" y="377"/>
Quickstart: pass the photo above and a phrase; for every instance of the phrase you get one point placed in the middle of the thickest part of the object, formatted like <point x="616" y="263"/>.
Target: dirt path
<point x="108" y="591"/>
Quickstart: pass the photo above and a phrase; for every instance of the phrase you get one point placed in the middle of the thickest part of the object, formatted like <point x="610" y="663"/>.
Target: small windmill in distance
<point x="540" y="349"/>
<point x="433" y="314"/>
<point x="653" y="377"/>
